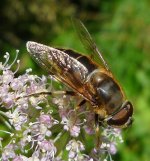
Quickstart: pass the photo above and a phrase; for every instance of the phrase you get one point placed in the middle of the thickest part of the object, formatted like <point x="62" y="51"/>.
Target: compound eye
<point x="123" y="117"/>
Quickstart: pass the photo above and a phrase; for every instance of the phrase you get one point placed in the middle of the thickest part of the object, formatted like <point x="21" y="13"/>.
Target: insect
<point x="89" y="76"/>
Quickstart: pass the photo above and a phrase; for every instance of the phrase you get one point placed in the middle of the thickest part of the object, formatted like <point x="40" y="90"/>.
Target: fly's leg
<point x="69" y="93"/>
<point x="80" y="104"/>
<point x="54" y="93"/>
<point x="97" y="132"/>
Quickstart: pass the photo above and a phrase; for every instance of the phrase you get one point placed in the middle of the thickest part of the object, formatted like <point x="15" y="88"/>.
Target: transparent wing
<point x="88" y="43"/>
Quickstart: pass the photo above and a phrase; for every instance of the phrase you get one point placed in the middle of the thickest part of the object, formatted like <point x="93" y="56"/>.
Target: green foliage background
<point x="121" y="30"/>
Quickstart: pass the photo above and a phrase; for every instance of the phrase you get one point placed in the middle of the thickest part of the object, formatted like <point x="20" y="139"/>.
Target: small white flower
<point x="17" y="118"/>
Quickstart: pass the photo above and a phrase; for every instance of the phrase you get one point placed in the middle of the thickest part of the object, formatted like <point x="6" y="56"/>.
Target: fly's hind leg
<point x="54" y="93"/>
<point x="69" y="93"/>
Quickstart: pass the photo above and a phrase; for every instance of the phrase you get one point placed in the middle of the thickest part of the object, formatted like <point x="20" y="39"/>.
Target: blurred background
<point x="121" y="30"/>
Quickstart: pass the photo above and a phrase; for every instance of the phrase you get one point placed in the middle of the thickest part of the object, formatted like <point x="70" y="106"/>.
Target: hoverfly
<point x="89" y="76"/>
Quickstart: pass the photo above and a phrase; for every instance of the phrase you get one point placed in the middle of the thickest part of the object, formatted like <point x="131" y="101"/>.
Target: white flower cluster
<point x="43" y="124"/>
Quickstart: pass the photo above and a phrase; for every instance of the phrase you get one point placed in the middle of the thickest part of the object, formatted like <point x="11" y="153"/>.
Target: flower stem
<point x="4" y="120"/>
<point x="58" y="136"/>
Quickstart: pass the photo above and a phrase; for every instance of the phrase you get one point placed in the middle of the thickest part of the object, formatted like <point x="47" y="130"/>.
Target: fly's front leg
<point x="80" y="104"/>
<point x="97" y="132"/>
